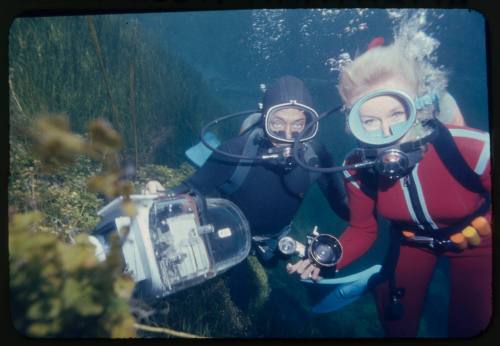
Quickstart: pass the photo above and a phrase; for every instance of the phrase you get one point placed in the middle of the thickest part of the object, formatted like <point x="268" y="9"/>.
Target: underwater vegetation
<point x="58" y="289"/>
<point x="107" y="67"/>
<point x="66" y="207"/>
<point x="205" y="310"/>
<point x="57" y="286"/>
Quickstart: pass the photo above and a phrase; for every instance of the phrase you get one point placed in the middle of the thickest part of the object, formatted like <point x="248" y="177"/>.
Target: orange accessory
<point x="408" y="234"/>
<point x="459" y="240"/>
<point x="481" y="225"/>
<point x="471" y="235"/>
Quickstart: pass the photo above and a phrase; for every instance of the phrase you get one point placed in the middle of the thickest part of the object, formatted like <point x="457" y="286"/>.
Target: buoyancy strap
<point x="310" y="156"/>
<point x="241" y="171"/>
<point x="449" y="154"/>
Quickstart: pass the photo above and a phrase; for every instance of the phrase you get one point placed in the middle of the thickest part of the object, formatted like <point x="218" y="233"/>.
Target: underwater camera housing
<point x="323" y="250"/>
<point x="174" y="242"/>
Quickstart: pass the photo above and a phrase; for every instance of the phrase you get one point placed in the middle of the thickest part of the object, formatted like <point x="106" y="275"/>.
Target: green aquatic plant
<point x="108" y="66"/>
<point x="53" y="143"/>
<point x="55" y="70"/>
<point x="60" y="290"/>
<point x="262" y="288"/>
<point x="168" y="177"/>
<point x="59" y="173"/>
<point x="205" y="310"/>
<point x="61" y="195"/>
<point x="62" y="198"/>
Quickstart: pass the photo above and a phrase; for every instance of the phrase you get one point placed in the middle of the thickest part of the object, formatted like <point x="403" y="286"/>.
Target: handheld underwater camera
<point x="323" y="250"/>
<point x="175" y="241"/>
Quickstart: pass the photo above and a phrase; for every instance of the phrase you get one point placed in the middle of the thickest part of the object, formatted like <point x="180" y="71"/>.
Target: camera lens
<point x="325" y="250"/>
<point x="287" y="245"/>
<point x="324" y="253"/>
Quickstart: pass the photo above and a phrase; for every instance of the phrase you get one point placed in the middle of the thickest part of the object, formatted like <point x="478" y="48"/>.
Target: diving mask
<point x="367" y="126"/>
<point x="286" y="121"/>
<point x="383" y="153"/>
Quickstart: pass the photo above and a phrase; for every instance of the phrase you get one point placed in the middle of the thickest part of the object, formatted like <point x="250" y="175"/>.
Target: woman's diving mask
<point x="379" y="135"/>
<point x="381" y="129"/>
<point x="379" y="125"/>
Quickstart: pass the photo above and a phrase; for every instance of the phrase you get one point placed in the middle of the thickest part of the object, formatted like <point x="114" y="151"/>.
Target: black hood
<point x="284" y="89"/>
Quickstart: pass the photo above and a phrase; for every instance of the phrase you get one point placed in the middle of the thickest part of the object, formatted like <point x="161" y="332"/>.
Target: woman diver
<point x="431" y="180"/>
<point x="269" y="187"/>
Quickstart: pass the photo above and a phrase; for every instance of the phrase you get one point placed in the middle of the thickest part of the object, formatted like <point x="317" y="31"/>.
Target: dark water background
<point x="234" y="52"/>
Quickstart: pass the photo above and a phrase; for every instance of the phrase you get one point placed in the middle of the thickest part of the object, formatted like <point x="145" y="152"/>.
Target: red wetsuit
<point x="437" y="199"/>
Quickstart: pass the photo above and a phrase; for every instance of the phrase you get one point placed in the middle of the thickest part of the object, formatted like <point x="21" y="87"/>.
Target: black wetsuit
<point x="270" y="195"/>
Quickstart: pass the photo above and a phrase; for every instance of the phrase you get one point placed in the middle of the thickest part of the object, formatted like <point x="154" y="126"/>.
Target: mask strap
<point x="426" y="100"/>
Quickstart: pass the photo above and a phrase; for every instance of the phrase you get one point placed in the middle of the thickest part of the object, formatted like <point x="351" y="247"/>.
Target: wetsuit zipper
<point x="409" y="183"/>
<point x="406" y="181"/>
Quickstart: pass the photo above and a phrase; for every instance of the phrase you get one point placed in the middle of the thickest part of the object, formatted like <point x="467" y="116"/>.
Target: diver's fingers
<point x="291" y="268"/>
<point x="148" y="188"/>
<point x="315" y="274"/>
<point x="303" y="265"/>
<point x="153" y="187"/>
<point x="308" y="272"/>
<point x="300" y="265"/>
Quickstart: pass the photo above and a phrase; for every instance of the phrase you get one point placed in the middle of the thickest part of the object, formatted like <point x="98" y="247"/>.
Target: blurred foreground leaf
<point x="104" y="137"/>
<point x="60" y="290"/>
<point x="54" y="143"/>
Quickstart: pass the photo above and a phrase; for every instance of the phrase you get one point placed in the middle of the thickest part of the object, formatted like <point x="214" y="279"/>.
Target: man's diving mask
<point x="402" y="123"/>
<point x="286" y="121"/>
<point x="282" y="123"/>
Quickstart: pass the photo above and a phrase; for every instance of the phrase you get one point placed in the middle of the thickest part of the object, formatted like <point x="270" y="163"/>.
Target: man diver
<point x="269" y="190"/>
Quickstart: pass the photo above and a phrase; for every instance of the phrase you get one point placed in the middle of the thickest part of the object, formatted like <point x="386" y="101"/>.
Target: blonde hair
<point x="383" y="63"/>
<point x="374" y="66"/>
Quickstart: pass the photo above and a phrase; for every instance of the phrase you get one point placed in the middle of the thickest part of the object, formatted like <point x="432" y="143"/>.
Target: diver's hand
<point x="305" y="269"/>
<point x="153" y="187"/>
